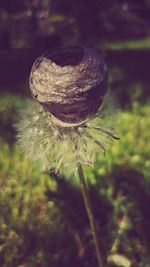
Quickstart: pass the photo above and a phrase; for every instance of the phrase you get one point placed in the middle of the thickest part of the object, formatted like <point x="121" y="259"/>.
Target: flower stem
<point x="88" y="207"/>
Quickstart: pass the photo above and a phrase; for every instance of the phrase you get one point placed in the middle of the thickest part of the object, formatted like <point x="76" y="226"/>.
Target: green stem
<point x="88" y="207"/>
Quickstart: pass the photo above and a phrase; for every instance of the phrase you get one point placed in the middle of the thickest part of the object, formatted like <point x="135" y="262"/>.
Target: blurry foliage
<point x="105" y="20"/>
<point x="12" y="6"/>
<point x="132" y="150"/>
<point x="86" y="22"/>
<point x="139" y="44"/>
<point x="129" y="75"/>
<point x="42" y="218"/>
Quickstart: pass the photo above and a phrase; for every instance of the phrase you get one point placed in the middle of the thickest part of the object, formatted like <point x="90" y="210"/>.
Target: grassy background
<point x="143" y="43"/>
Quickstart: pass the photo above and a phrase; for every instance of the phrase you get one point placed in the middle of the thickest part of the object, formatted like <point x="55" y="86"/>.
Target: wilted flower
<point x="71" y="118"/>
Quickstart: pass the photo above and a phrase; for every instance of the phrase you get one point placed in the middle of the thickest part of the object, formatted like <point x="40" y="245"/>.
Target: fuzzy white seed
<point x="80" y="129"/>
<point x="35" y="118"/>
<point x="41" y="132"/>
<point x="35" y="130"/>
<point x="56" y="133"/>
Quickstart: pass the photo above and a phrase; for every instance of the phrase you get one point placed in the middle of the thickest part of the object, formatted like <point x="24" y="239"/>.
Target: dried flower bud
<point x="70" y="83"/>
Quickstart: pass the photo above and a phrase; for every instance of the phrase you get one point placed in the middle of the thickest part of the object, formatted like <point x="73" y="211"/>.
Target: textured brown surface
<point x="69" y="82"/>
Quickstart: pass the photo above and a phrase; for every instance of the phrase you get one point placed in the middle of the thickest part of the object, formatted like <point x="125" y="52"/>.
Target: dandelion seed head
<point x="57" y="148"/>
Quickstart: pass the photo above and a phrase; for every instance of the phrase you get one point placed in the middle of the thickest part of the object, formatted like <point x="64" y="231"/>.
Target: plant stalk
<point x="91" y="218"/>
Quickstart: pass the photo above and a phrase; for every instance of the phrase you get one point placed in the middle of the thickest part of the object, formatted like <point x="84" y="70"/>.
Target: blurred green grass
<point x="36" y="226"/>
<point x="134" y="44"/>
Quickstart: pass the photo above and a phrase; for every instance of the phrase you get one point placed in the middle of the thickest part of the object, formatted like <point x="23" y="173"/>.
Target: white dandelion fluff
<point x="57" y="147"/>
<point x="71" y="119"/>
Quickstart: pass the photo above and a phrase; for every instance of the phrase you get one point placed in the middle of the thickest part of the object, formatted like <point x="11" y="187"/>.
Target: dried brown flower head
<point x="70" y="83"/>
